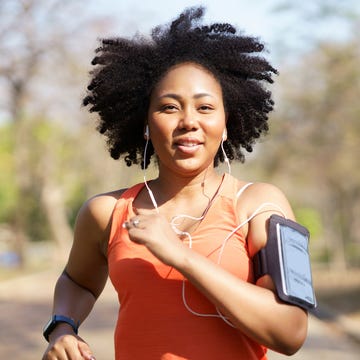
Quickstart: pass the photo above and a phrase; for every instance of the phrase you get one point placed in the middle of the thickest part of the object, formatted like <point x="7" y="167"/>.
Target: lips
<point x="187" y="145"/>
<point x="187" y="142"/>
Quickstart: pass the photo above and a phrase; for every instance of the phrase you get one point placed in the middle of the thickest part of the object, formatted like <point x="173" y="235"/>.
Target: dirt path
<point x="25" y="305"/>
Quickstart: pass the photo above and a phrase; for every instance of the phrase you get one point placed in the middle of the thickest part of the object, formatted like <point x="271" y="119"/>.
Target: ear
<point x="147" y="133"/>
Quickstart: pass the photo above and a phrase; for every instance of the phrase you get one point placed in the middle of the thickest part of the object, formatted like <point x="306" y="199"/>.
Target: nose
<point x="188" y="120"/>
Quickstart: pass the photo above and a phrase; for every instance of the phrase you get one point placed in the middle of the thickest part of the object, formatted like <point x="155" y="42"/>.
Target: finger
<point x="85" y="351"/>
<point x="133" y="224"/>
<point x="126" y="225"/>
<point x="65" y="347"/>
<point x="89" y="357"/>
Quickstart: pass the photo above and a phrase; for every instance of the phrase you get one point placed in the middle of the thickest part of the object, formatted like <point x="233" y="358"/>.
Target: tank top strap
<point x="129" y="194"/>
<point x="121" y="210"/>
<point x="238" y="194"/>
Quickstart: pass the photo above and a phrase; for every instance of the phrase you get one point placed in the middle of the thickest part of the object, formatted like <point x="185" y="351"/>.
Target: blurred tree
<point x="40" y="45"/>
<point x="319" y="106"/>
<point x="315" y="139"/>
<point x="50" y="156"/>
<point x="7" y="188"/>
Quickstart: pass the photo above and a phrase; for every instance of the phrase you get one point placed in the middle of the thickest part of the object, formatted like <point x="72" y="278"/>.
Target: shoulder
<point x="256" y="204"/>
<point x="97" y="210"/>
<point x="87" y="263"/>
<point x="263" y="196"/>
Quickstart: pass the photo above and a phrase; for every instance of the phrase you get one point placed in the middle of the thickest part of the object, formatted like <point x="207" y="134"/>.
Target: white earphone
<point x="152" y="197"/>
<point x="227" y="161"/>
<point x="147" y="133"/>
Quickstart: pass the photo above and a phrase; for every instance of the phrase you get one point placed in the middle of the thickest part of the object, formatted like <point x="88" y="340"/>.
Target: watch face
<point x="49" y="327"/>
<point x="48" y="324"/>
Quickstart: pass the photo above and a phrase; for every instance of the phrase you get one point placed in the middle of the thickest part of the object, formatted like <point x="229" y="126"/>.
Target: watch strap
<point x="55" y="320"/>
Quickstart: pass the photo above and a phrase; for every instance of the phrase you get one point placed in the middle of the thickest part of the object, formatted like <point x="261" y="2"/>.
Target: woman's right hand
<point x="67" y="347"/>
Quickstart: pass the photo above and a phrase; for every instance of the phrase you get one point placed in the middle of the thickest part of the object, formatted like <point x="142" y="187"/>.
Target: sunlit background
<point x="52" y="159"/>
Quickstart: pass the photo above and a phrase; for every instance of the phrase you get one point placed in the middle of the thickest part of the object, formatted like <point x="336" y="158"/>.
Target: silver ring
<point x="136" y="222"/>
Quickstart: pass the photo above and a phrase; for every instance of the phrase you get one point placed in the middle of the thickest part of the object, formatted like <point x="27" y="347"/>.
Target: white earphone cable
<point x="188" y="235"/>
<point x="152" y="197"/>
<point x="226" y="159"/>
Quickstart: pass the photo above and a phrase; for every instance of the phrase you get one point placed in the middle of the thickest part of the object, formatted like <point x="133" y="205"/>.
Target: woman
<point x="179" y="248"/>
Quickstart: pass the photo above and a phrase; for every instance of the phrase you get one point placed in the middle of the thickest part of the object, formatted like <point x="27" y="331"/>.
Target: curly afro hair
<point x="128" y="69"/>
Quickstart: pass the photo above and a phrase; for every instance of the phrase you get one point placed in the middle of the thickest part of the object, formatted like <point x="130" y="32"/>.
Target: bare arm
<point x="254" y="309"/>
<point x="84" y="277"/>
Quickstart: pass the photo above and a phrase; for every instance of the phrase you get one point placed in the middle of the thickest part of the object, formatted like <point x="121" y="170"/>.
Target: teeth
<point x="190" y="145"/>
<point x="187" y="144"/>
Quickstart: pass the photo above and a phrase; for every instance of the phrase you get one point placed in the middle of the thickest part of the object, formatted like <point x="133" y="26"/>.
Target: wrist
<point x="56" y="320"/>
<point x="183" y="258"/>
<point x="61" y="329"/>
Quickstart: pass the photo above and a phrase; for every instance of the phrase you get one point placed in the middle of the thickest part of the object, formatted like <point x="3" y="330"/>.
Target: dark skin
<point x="186" y="121"/>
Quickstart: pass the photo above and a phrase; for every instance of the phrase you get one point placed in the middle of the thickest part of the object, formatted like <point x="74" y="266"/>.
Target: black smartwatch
<point x="54" y="321"/>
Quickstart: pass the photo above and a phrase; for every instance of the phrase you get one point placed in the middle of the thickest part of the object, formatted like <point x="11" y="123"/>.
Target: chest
<point x="132" y="265"/>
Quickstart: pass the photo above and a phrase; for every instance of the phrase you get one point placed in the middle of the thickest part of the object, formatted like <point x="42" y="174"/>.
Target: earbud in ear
<point x="226" y="159"/>
<point x="147" y="133"/>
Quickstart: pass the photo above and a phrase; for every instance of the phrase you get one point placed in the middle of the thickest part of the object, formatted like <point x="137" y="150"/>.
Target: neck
<point x="173" y="186"/>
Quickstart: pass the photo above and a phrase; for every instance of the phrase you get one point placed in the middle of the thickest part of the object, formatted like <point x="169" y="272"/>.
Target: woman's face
<point x="186" y="119"/>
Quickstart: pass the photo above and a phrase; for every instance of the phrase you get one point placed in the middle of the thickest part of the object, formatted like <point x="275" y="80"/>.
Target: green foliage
<point x="8" y="190"/>
<point x="311" y="219"/>
<point x="37" y="227"/>
<point x="51" y="156"/>
<point x="313" y="145"/>
<point x="76" y="197"/>
<point x="353" y="254"/>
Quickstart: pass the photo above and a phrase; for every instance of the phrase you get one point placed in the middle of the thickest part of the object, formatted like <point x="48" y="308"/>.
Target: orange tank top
<point x="153" y="322"/>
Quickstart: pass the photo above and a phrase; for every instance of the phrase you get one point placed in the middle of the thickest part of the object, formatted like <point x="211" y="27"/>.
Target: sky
<point x="127" y="17"/>
<point x="284" y="33"/>
<point x="278" y="30"/>
<point x="246" y="14"/>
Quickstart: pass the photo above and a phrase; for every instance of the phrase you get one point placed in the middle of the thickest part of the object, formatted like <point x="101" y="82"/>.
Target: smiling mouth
<point x="187" y="147"/>
<point x="187" y="144"/>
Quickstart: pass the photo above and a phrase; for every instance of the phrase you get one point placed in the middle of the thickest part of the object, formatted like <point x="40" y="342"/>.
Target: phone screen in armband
<point x="286" y="259"/>
<point x="295" y="263"/>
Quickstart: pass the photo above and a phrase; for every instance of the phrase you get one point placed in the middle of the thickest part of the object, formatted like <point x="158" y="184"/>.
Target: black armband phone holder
<point x="286" y="259"/>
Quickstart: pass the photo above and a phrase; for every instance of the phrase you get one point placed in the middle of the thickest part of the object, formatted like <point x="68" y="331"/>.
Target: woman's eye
<point x="205" y="108"/>
<point x="169" y="108"/>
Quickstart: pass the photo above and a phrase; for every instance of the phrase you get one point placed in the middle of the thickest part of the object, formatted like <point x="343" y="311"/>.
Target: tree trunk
<point x="336" y="232"/>
<point x="23" y="182"/>
<point x="55" y="212"/>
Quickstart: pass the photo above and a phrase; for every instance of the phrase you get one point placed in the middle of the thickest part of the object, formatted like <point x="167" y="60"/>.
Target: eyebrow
<point x="178" y="97"/>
